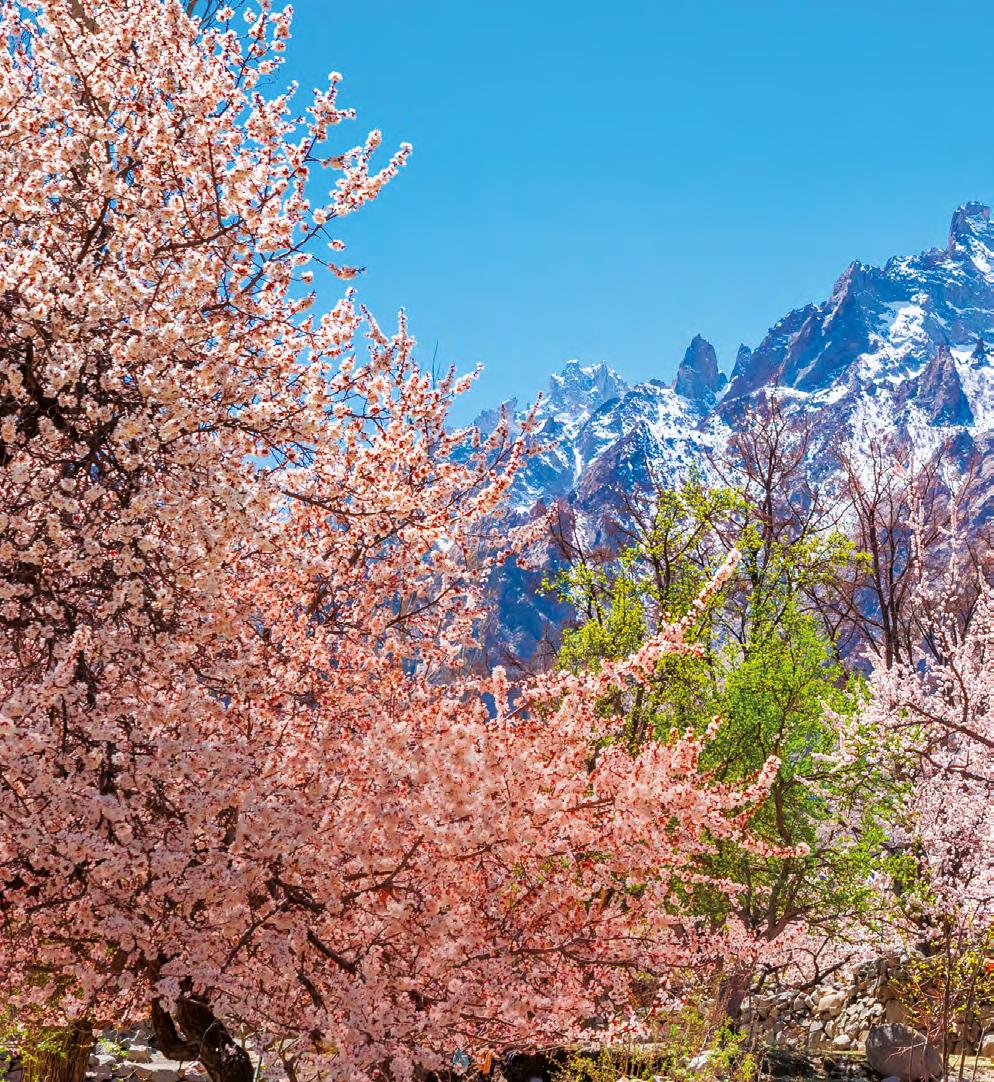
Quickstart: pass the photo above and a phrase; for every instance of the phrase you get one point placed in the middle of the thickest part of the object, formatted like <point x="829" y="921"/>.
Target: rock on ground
<point x="895" y="1049"/>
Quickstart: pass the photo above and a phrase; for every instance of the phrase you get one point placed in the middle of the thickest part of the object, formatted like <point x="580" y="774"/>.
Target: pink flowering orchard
<point x="938" y="716"/>
<point x="246" y="781"/>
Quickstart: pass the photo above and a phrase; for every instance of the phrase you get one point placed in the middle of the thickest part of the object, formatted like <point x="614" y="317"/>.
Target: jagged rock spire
<point x="940" y="391"/>
<point x="698" y="377"/>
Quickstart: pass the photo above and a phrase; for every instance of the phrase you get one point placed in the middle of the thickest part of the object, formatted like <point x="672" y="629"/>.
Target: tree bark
<point x="733" y="989"/>
<point x="196" y="1034"/>
<point x="58" y="1053"/>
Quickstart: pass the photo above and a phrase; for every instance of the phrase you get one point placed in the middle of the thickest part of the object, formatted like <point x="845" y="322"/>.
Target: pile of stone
<point x="132" y="1055"/>
<point x="128" y="1054"/>
<point x="838" y="1016"/>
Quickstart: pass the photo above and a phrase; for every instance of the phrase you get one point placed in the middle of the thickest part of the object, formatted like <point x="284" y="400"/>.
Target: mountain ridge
<point x="897" y="352"/>
<point x="911" y="333"/>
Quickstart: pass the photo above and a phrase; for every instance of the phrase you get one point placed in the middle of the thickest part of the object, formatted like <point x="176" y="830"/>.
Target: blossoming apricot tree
<point x="930" y="726"/>
<point x="245" y="778"/>
<point x="938" y="716"/>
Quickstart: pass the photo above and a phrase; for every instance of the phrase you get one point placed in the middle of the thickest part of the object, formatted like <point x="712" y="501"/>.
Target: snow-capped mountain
<point x="900" y="347"/>
<point x="597" y="429"/>
<point x="899" y="350"/>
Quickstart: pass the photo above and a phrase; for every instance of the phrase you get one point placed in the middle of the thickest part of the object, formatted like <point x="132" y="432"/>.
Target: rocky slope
<point x="899" y="351"/>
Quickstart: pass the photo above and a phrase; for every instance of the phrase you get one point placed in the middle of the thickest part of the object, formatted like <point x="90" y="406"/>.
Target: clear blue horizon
<point x="604" y="182"/>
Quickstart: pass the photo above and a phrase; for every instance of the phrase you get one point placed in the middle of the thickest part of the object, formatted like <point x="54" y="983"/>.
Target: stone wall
<point x="838" y="1015"/>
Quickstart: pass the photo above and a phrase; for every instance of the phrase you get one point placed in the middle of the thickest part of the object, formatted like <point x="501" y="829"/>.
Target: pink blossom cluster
<point x="931" y="724"/>
<point x="241" y="753"/>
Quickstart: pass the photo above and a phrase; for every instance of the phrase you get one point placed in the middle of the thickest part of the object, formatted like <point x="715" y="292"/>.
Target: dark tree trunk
<point x="58" y="1054"/>
<point x="732" y="991"/>
<point x="196" y="1034"/>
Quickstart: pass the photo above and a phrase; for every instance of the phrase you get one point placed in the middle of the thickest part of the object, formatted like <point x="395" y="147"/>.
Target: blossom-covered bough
<point x="930" y="726"/>
<point x="932" y="723"/>
<point x="246" y="779"/>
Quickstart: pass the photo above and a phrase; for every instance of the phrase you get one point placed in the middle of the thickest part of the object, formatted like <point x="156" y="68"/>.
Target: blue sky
<point x="605" y="180"/>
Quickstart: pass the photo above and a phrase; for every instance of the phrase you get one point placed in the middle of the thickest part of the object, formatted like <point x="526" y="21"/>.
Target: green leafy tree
<point x="768" y="669"/>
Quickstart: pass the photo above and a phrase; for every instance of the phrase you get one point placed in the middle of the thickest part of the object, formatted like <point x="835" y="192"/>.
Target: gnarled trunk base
<point x="195" y="1034"/>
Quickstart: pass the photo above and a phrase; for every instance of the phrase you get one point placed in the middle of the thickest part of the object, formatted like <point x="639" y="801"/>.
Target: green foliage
<point x="950" y="991"/>
<point x="46" y="1053"/>
<point x="618" y="624"/>
<point x="767" y="668"/>
<point x="779" y="696"/>
<point x="693" y="1044"/>
<point x="107" y="1047"/>
<point x="9" y="1043"/>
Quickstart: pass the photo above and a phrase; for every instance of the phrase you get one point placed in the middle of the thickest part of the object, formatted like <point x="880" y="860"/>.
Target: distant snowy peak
<point x="590" y="411"/>
<point x="582" y="388"/>
<point x="571" y="395"/>
<point x="901" y="348"/>
<point x="571" y="398"/>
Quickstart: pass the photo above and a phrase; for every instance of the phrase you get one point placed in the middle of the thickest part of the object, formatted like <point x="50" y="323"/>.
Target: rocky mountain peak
<point x="853" y="277"/>
<point x="585" y="387"/>
<point x="698" y="377"/>
<point x="971" y="223"/>
<point x="902" y="352"/>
